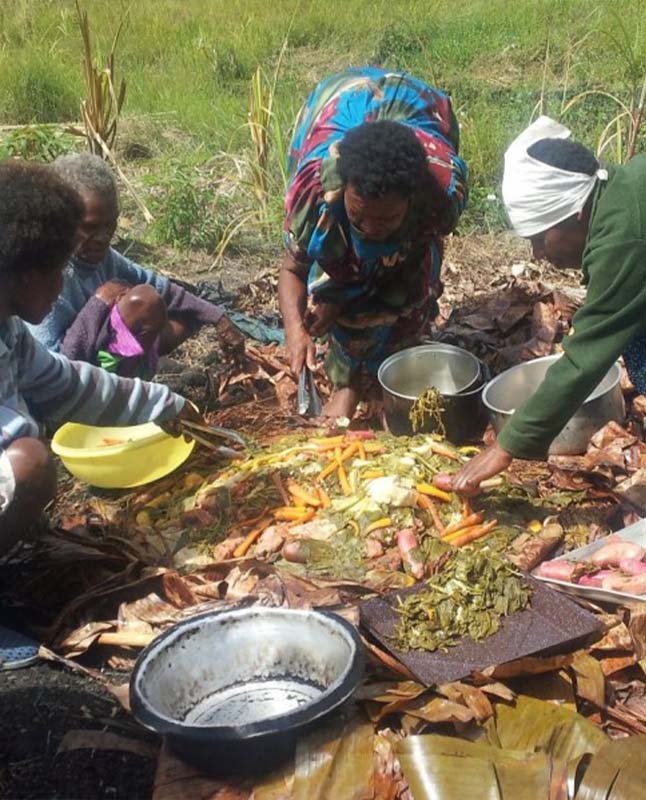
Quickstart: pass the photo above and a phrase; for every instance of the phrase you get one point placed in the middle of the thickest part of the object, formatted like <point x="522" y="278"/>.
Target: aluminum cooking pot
<point x="232" y="690"/>
<point x="456" y="373"/>
<point x="509" y="390"/>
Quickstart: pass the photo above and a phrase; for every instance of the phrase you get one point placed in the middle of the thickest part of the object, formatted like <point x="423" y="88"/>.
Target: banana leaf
<point x="616" y="772"/>
<point x="539" y="726"/>
<point x="336" y="760"/>
<point x="443" y="768"/>
<point x="590" y="680"/>
<point x="554" y="686"/>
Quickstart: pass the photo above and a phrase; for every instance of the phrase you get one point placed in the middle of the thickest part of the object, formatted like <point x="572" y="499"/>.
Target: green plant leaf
<point x="540" y="726"/>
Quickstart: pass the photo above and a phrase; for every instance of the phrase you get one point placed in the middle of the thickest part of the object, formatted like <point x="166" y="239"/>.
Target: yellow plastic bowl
<point x="119" y="458"/>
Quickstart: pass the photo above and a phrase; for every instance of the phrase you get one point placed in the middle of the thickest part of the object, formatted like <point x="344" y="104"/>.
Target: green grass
<point x="188" y="66"/>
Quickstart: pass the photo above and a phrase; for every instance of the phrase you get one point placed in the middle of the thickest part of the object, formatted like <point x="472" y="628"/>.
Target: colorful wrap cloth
<point x="387" y="289"/>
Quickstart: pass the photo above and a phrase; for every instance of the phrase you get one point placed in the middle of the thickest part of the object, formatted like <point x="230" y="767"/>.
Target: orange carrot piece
<point x="289" y="513"/>
<point x="251" y="538"/>
<point x="324" y="497"/>
<point x="302" y="496"/>
<point x="278" y="483"/>
<point x="362" y="451"/>
<point x="465" y="522"/>
<point x="451" y="537"/>
<point x="433" y="491"/>
<point x="427" y="504"/>
<point x="384" y="522"/>
<point x="331" y="467"/>
<point x="343" y="481"/>
<point x="306" y="517"/>
<point x="349" y="451"/>
<point x="325" y="440"/>
<point x="373" y="447"/>
<point x="475" y="533"/>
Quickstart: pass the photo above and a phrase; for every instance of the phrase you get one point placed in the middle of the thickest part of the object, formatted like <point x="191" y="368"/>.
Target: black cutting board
<point x="553" y="623"/>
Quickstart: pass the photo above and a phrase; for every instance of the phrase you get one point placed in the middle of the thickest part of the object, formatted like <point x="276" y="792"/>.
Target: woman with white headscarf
<point x="575" y="215"/>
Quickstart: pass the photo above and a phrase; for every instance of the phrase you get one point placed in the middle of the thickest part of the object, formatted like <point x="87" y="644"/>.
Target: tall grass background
<point x="189" y="66"/>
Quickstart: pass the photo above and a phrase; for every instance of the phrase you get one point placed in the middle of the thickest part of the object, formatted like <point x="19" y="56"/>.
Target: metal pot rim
<point x="439" y="347"/>
<point x="553" y="358"/>
<point x="334" y="695"/>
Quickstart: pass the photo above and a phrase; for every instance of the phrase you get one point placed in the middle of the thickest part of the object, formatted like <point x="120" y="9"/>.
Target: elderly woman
<point x="39" y="218"/>
<point x="376" y="184"/>
<point x="575" y="214"/>
<point x="111" y="312"/>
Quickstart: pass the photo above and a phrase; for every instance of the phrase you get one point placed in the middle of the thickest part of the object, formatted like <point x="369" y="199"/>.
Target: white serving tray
<point x="636" y="534"/>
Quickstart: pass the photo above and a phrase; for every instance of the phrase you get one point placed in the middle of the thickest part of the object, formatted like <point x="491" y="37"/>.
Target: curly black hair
<point x="564" y="154"/>
<point x="39" y="216"/>
<point x="381" y="157"/>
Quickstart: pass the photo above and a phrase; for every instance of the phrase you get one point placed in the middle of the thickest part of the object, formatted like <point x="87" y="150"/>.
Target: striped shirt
<point x="36" y="384"/>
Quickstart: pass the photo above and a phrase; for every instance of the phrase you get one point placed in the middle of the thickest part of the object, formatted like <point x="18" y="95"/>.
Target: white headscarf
<point x="538" y="196"/>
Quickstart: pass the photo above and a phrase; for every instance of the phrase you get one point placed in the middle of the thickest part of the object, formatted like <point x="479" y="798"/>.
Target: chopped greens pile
<point x="467" y="597"/>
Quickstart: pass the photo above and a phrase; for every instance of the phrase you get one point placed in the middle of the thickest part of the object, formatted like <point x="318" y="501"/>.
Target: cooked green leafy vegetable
<point x="467" y="597"/>
<point x="428" y="408"/>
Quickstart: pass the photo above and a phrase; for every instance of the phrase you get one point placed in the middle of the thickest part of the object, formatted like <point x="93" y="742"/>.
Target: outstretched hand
<point x="189" y="413"/>
<point x="485" y="465"/>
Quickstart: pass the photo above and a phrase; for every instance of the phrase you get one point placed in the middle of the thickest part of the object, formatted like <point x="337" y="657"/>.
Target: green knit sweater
<point x="614" y="269"/>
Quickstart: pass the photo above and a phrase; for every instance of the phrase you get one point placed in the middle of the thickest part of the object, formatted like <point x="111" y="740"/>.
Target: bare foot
<point x="342" y="403"/>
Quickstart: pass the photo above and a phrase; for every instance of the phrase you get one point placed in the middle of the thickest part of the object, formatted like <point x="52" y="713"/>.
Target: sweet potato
<point x="611" y="554"/>
<point x="556" y="570"/>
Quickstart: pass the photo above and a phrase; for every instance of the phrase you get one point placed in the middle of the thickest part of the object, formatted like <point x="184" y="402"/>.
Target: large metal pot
<point x="457" y="374"/>
<point x="232" y="690"/>
<point x="509" y="390"/>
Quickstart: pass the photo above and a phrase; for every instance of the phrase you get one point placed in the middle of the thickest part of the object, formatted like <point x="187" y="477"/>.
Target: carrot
<point x="355" y="527"/>
<point x="324" y="448"/>
<point x="362" y="451"/>
<point x="278" y="483"/>
<point x="331" y="467"/>
<point x="373" y="447"/>
<point x="442" y="450"/>
<point x="466" y="508"/>
<point x="428" y="505"/>
<point x="384" y="522"/>
<point x="373" y="473"/>
<point x="338" y="451"/>
<point x="475" y="533"/>
<point x="302" y="496"/>
<point x="251" y="538"/>
<point x="349" y="451"/>
<point x="451" y="537"/>
<point x="324" y="497"/>
<point x="343" y="481"/>
<point x="306" y="517"/>
<point x="325" y="440"/>
<point x="289" y="513"/>
<point x="429" y="489"/>
<point x="465" y="522"/>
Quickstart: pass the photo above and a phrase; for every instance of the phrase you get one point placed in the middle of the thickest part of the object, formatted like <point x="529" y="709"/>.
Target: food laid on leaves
<point x="360" y="505"/>
<point x="468" y="596"/>
<point x="617" y="565"/>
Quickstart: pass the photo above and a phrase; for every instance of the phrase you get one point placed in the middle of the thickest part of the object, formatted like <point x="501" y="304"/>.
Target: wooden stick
<point x="126" y="639"/>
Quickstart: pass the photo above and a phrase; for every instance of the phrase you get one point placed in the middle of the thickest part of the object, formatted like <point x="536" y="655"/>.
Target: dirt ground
<point x="39" y="705"/>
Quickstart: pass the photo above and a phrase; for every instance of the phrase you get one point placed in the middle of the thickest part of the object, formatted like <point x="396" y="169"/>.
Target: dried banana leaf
<point x="590" y="680"/>
<point x="616" y="772"/>
<point x="539" y="726"/>
<point x="442" y="768"/>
